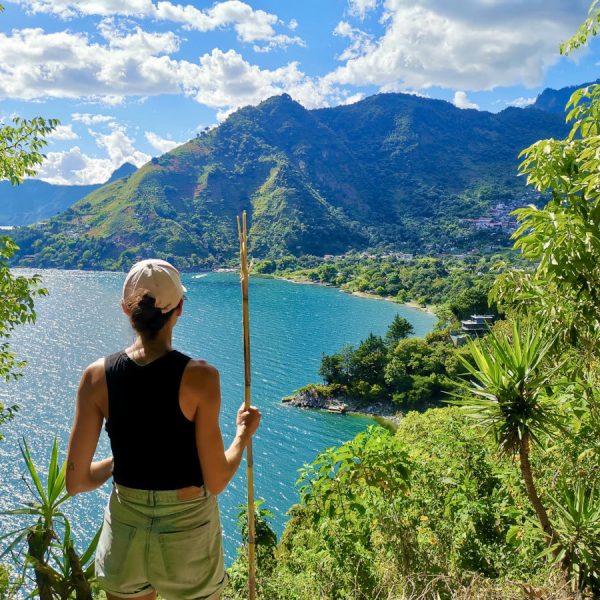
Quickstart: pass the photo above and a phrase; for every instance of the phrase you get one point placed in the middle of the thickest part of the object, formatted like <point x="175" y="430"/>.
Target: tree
<point x="337" y="368"/>
<point x="20" y="153"/>
<point x="399" y="329"/>
<point x="369" y="360"/>
<point x="507" y="393"/>
<point x="563" y="237"/>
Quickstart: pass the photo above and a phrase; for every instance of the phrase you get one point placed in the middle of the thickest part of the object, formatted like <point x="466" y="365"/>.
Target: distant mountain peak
<point x="555" y="101"/>
<point x="124" y="170"/>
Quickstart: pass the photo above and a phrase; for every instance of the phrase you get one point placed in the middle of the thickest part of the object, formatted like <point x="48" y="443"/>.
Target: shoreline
<point x="308" y="399"/>
<point x="429" y="309"/>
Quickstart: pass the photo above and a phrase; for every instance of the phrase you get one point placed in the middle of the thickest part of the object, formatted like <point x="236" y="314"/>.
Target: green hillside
<point x="393" y="171"/>
<point x="35" y="200"/>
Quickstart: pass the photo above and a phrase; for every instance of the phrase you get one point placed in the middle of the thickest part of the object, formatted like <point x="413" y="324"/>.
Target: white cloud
<point x="73" y="167"/>
<point x="38" y="65"/>
<point x="250" y="25"/>
<point x="119" y="147"/>
<point x="521" y="102"/>
<point x="161" y="144"/>
<point x="136" y="40"/>
<point x="360" y="42"/>
<point x="354" y="98"/>
<point x="359" y="8"/>
<point x="73" y="8"/>
<point x="467" y="45"/>
<point x="293" y="24"/>
<point x="461" y="100"/>
<point x="89" y="119"/>
<point x="63" y="132"/>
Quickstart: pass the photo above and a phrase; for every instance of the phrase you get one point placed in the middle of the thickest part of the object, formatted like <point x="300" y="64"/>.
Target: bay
<point x="291" y="327"/>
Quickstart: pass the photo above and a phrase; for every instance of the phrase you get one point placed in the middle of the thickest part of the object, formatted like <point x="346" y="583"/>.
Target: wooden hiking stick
<point x="243" y="237"/>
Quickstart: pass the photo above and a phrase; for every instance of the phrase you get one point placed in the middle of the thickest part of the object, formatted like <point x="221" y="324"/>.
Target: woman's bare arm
<point x="218" y="465"/>
<point x="84" y="475"/>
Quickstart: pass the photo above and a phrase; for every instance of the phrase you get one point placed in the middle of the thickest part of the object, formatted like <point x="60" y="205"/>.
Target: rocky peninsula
<point x="322" y="397"/>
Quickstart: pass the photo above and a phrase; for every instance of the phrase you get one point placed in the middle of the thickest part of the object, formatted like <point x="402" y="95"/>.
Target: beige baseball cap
<point x="159" y="279"/>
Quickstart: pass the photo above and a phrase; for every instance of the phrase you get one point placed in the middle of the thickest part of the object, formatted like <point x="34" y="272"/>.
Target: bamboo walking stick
<point x="243" y="237"/>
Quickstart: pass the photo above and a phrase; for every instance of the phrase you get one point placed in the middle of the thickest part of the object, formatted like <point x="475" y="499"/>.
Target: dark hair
<point x="146" y="319"/>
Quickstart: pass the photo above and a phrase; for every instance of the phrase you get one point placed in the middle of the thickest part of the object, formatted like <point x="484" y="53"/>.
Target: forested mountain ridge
<point x="555" y="101"/>
<point x="393" y="170"/>
<point x="35" y="200"/>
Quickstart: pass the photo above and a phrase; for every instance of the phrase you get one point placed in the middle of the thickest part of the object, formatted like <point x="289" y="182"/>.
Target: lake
<point x="292" y="325"/>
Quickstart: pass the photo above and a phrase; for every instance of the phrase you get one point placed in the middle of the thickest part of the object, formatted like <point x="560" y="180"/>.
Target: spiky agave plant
<point x="59" y="570"/>
<point x="506" y="391"/>
<point x="577" y="536"/>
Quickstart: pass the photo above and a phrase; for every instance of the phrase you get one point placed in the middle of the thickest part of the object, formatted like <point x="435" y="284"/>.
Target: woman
<point x="161" y="529"/>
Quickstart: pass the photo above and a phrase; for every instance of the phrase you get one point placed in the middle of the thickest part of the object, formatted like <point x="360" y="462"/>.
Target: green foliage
<point x="20" y="153"/>
<point x="4" y="581"/>
<point x="47" y="544"/>
<point x="563" y="236"/>
<point x="17" y="294"/>
<point x="429" y="510"/>
<point x="508" y="388"/>
<point x="577" y="536"/>
<point x="410" y="372"/>
<point x="265" y="544"/>
<point x="458" y="287"/>
<point x="21" y="145"/>
<point x="589" y="28"/>
<point x="399" y="329"/>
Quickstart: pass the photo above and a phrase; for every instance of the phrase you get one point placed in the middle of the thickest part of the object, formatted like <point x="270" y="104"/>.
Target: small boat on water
<point x="339" y="409"/>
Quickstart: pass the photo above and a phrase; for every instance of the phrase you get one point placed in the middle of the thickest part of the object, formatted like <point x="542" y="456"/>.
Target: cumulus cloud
<point x="63" y="132"/>
<point x="36" y="64"/>
<point x="161" y="144"/>
<point x="359" y="8"/>
<point x="250" y="25"/>
<point x="119" y="147"/>
<point x="74" y="167"/>
<point x="461" y="100"/>
<point x="73" y="8"/>
<point x="90" y="119"/>
<point x="521" y="102"/>
<point x="360" y="42"/>
<point x="467" y="45"/>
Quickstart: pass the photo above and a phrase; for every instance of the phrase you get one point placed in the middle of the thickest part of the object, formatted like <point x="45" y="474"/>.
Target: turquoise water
<point x="291" y="326"/>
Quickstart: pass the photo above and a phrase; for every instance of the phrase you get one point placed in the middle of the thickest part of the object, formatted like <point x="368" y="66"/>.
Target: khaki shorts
<point x="162" y="541"/>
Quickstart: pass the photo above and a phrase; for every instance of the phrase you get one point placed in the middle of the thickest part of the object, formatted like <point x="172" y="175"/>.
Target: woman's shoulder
<point x="201" y="368"/>
<point x="200" y="381"/>
<point x="93" y="382"/>
<point x="95" y="369"/>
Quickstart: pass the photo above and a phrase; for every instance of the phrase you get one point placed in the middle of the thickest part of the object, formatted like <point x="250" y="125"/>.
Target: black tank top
<point x="153" y="443"/>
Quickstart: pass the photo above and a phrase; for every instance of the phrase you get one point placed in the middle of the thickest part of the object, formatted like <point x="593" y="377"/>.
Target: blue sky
<point x="131" y="78"/>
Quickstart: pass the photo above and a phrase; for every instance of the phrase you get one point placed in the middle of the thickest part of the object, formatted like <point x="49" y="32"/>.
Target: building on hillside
<point x="471" y="328"/>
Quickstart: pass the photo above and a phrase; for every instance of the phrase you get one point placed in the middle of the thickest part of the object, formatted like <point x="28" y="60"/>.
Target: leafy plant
<point x="577" y="536"/>
<point x="507" y="393"/>
<point x="47" y="544"/>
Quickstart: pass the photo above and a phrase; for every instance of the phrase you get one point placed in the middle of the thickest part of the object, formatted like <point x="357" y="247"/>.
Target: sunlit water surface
<point x="291" y="325"/>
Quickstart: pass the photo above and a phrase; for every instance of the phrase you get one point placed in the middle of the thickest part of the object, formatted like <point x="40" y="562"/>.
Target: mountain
<point x="555" y="101"/>
<point x="35" y="200"/>
<point x="125" y="170"/>
<point x="395" y="171"/>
